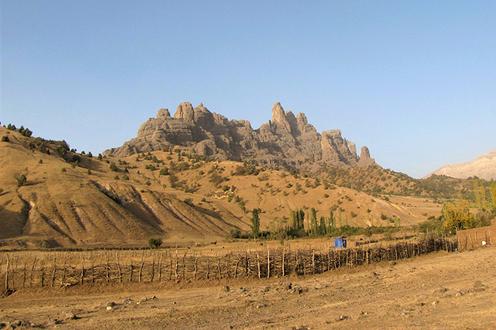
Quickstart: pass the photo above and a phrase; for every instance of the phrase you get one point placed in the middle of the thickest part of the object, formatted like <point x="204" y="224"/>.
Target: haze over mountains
<point x="287" y="140"/>
<point x="483" y="167"/>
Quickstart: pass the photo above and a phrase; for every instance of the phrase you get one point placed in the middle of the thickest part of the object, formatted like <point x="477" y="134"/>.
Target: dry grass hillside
<point x="64" y="204"/>
<point x="377" y="180"/>
<point x="72" y="199"/>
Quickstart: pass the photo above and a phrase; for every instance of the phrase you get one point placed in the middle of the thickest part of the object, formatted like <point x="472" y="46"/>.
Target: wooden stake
<point x="313" y="262"/>
<point x="283" y="262"/>
<point x="268" y="262"/>
<point x="140" y="274"/>
<point x="258" y="266"/>
<point x="6" y="285"/>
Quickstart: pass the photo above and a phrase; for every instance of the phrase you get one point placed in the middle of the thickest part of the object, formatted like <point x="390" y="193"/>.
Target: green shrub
<point x="151" y="167"/>
<point x="21" y="180"/>
<point x="154" y="243"/>
<point x="235" y="233"/>
<point x="114" y="167"/>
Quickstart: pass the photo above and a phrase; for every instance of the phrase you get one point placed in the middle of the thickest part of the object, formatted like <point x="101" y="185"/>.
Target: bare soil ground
<point x="437" y="291"/>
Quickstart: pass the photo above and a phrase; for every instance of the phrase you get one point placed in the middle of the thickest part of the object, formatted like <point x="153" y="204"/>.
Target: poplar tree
<point x="255" y="223"/>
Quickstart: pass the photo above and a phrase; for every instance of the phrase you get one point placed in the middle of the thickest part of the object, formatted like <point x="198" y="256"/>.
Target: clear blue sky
<point x="413" y="80"/>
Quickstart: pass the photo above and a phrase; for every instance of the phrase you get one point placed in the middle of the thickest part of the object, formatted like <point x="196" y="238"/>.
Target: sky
<point x="415" y="81"/>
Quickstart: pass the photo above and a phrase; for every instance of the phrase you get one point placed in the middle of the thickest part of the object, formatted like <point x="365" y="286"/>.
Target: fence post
<point x="247" y="264"/>
<point x="208" y="268"/>
<point x="219" y="272"/>
<point x="283" y="265"/>
<point x="107" y="267"/>
<point x="62" y="281"/>
<point x="268" y="262"/>
<point x="196" y="266"/>
<point x="141" y="267"/>
<point x="52" y="282"/>
<point x="31" y="276"/>
<point x="160" y="267"/>
<point x="258" y="266"/>
<point x="313" y="261"/>
<point x="7" y="273"/>
<point x="184" y="265"/>
<point x="176" y="268"/>
<point x="24" y="275"/>
<point x="43" y="276"/>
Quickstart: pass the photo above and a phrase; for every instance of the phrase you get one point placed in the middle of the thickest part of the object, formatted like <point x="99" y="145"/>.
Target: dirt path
<point x="437" y="291"/>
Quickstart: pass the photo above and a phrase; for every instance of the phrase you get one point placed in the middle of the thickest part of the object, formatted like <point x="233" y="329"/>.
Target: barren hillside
<point x="72" y="199"/>
<point x="483" y="167"/>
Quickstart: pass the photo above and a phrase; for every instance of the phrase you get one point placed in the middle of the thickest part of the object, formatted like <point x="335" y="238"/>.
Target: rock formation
<point x="286" y="140"/>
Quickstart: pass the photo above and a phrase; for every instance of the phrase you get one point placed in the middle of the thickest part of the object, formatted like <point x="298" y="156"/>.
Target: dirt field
<point x="437" y="291"/>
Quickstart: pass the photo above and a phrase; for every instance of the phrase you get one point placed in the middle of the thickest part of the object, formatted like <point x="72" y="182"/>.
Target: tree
<point x="21" y="180"/>
<point x="313" y="222"/>
<point x="27" y="132"/>
<point x="322" y="226"/>
<point x="480" y="196"/>
<point x="492" y="189"/>
<point x="294" y="220"/>
<point x="255" y="222"/>
<point x="114" y="167"/>
<point x="456" y="215"/>
<point x="154" y="243"/>
<point x="301" y="219"/>
<point x="331" y="223"/>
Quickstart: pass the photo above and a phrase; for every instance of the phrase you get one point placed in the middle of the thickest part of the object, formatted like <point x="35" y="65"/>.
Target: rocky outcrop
<point x="286" y="140"/>
<point x="365" y="159"/>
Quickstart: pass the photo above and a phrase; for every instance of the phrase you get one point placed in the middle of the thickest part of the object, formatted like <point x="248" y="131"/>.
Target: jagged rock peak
<point x="286" y="140"/>
<point x="163" y="113"/>
<point x="334" y="133"/>
<point x="279" y="118"/>
<point x="365" y="159"/>
<point x="302" y="119"/>
<point x="200" y="107"/>
<point x="185" y="112"/>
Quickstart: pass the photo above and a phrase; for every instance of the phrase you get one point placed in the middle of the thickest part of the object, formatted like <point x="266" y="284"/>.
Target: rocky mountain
<point x="287" y="140"/>
<point x="53" y="196"/>
<point x="483" y="167"/>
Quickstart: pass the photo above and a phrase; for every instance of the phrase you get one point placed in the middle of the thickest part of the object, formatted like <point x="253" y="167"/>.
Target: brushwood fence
<point x="470" y="239"/>
<point x="161" y="266"/>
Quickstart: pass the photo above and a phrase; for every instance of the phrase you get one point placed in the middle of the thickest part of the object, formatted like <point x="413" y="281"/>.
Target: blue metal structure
<point x="340" y="242"/>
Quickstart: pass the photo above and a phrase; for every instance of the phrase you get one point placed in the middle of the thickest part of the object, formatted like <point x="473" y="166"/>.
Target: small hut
<point x="340" y="242"/>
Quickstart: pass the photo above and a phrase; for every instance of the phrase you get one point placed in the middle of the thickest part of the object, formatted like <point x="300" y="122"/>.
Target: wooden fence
<point x="168" y="265"/>
<point x="470" y="239"/>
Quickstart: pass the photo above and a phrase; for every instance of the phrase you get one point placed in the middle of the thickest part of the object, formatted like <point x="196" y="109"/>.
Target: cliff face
<point x="286" y="140"/>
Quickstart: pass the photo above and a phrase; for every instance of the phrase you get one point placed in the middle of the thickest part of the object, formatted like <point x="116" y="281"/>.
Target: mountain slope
<point x="71" y="199"/>
<point x="84" y="203"/>
<point x="483" y="167"/>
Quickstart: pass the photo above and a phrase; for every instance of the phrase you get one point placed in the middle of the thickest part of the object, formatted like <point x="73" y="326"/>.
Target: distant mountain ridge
<point x="286" y="140"/>
<point x="483" y="167"/>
